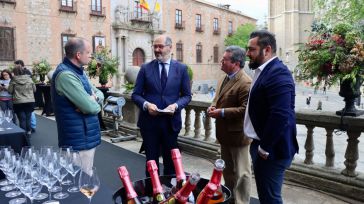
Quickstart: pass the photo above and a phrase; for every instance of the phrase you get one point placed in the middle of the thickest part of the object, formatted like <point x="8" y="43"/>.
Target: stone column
<point x="351" y="154"/>
<point x="309" y="145"/>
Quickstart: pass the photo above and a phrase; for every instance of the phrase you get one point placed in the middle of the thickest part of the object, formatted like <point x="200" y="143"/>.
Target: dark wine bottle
<point x="131" y="195"/>
<point x="206" y="194"/>
<point x="181" y="197"/>
<point x="158" y="195"/>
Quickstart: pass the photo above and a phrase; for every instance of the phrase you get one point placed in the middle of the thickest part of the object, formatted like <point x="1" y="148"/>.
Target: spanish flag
<point x="157" y="7"/>
<point x="144" y="4"/>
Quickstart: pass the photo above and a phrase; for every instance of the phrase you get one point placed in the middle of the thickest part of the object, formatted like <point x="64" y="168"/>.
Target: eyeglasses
<point x="160" y="46"/>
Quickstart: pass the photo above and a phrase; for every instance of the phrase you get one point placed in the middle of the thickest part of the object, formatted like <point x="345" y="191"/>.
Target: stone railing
<point x="198" y="138"/>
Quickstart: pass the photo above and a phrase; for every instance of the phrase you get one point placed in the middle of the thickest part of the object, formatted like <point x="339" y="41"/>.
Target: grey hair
<point x="168" y="41"/>
<point x="73" y="46"/>
<point x="238" y="54"/>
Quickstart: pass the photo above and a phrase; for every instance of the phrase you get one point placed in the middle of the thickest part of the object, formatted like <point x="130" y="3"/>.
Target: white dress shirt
<point x="248" y="126"/>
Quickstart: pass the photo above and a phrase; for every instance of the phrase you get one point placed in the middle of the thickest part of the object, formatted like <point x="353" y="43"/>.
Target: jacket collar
<point x="78" y="70"/>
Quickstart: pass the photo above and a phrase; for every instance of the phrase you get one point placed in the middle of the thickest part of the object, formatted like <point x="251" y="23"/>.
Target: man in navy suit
<point x="270" y="119"/>
<point x="161" y="91"/>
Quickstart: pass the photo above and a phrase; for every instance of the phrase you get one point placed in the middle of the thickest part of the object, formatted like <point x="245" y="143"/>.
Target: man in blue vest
<point x="76" y="102"/>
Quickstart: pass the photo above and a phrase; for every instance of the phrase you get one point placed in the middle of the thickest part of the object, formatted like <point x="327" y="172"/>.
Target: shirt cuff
<point x="263" y="151"/>
<point x="176" y="106"/>
<point x="145" y="105"/>
<point x="223" y="112"/>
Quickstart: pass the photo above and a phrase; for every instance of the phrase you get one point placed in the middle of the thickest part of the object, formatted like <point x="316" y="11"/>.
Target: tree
<point x="241" y="36"/>
<point x="340" y="11"/>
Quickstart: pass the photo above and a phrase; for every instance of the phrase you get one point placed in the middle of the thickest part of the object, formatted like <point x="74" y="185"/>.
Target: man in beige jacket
<point x="228" y="108"/>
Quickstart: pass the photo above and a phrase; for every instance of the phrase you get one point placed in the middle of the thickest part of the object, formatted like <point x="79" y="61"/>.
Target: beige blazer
<point x="233" y="98"/>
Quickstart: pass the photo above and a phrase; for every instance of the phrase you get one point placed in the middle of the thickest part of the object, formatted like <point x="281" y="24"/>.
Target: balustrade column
<point x="309" y="145"/>
<point x="351" y="154"/>
<point x="197" y="123"/>
<point x="188" y="121"/>
<point x="329" y="150"/>
<point x="207" y="124"/>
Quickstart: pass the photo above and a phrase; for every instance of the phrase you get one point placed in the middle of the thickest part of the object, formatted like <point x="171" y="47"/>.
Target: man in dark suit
<point x="270" y="119"/>
<point x="161" y="91"/>
<point x="228" y="108"/>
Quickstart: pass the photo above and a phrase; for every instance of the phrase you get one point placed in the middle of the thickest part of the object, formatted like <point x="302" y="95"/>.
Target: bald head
<point x="163" y="38"/>
<point x="78" y="50"/>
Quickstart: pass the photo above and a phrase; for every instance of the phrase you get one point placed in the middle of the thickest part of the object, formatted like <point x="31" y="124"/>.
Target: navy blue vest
<point x="81" y="131"/>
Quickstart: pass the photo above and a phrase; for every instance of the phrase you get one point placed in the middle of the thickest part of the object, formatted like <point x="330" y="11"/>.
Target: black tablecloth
<point x="14" y="137"/>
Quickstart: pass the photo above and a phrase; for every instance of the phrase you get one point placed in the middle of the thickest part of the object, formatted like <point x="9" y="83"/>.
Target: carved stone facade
<point x="39" y="25"/>
<point x="135" y="29"/>
<point x="290" y="20"/>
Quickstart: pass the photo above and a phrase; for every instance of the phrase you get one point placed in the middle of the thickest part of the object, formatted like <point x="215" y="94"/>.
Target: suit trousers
<point x="87" y="159"/>
<point x="160" y="139"/>
<point x="237" y="172"/>
<point x="269" y="175"/>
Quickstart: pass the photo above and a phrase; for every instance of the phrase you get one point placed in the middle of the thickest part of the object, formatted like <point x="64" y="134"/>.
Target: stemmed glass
<point x="2" y="118"/>
<point x="49" y="180"/>
<point x="73" y="168"/>
<point x="65" y="155"/>
<point x="9" y="117"/>
<point x="28" y="185"/>
<point x="89" y="182"/>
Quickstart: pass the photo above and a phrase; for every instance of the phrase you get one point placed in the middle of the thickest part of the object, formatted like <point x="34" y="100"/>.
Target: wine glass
<point x="2" y="118"/>
<point x="89" y="182"/>
<point x="65" y="152"/>
<point x="9" y="117"/>
<point x="73" y="168"/>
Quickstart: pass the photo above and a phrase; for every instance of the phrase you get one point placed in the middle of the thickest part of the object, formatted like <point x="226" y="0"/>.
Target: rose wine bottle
<point x="206" y="194"/>
<point x="131" y="195"/>
<point x="158" y="195"/>
<point x="180" y="174"/>
<point x="181" y="197"/>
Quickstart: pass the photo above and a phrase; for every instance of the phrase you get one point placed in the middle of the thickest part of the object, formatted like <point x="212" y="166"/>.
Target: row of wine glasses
<point x="7" y="116"/>
<point x="34" y="168"/>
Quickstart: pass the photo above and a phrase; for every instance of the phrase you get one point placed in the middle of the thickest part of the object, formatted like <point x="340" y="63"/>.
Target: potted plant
<point x="335" y="55"/>
<point x="103" y="65"/>
<point x="190" y="75"/>
<point x="41" y="68"/>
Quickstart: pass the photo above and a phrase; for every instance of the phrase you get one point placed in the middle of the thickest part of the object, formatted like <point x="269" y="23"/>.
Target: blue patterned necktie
<point x="163" y="76"/>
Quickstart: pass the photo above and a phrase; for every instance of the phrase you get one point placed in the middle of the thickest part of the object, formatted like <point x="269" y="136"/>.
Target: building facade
<point x="36" y="29"/>
<point x="198" y="29"/>
<point x="290" y="20"/>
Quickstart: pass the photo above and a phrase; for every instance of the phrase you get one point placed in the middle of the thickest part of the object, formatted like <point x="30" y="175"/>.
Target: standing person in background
<point x="26" y="71"/>
<point x="6" y="99"/>
<point x="228" y="108"/>
<point x="270" y="120"/>
<point x="22" y="88"/>
<point x="76" y="102"/>
<point x="161" y="91"/>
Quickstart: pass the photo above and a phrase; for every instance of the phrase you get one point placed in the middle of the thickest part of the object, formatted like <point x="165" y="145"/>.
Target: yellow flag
<point x="144" y="4"/>
<point x="157" y="7"/>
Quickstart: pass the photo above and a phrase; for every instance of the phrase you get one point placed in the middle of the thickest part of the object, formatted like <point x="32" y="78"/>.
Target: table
<point x="102" y="196"/>
<point x="14" y="137"/>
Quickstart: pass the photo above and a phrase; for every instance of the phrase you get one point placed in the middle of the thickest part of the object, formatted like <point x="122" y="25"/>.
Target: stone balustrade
<point x="198" y="138"/>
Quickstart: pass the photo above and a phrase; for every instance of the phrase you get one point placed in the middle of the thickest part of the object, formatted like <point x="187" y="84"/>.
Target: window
<point x="7" y="44"/>
<point x="216" y="24"/>
<point x="179" y="51"/>
<point x="64" y="39"/>
<point x="216" y="54"/>
<point x="96" y="5"/>
<point x="178" y="17"/>
<point x="198" y="21"/>
<point x="230" y="28"/>
<point x="199" y="53"/>
<point x="138" y="57"/>
<point x="138" y="11"/>
<point x="67" y="3"/>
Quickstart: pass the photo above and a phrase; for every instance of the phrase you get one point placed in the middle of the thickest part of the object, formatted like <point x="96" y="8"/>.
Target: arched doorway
<point x="138" y="57"/>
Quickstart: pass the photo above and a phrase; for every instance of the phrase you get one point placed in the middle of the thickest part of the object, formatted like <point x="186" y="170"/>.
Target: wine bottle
<point x="180" y="174"/>
<point x="158" y="195"/>
<point x="181" y="197"/>
<point x="131" y="195"/>
<point x="218" y="196"/>
<point x="206" y="194"/>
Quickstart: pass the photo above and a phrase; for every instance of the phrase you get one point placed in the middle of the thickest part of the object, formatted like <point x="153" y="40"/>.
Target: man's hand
<point x="214" y="112"/>
<point x="152" y="109"/>
<point x="172" y="108"/>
